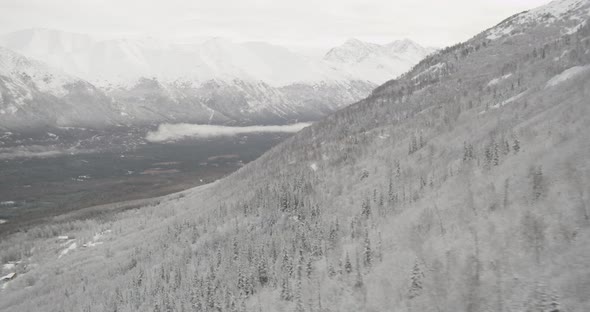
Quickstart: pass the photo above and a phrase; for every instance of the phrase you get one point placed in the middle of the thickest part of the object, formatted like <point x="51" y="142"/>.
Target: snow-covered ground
<point x="568" y="74"/>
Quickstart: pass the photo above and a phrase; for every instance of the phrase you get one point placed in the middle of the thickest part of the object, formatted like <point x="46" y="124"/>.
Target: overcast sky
<point x="306" y="23"/>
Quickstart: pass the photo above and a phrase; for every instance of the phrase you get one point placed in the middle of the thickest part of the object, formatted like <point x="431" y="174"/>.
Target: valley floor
<point x="35" y="189"/>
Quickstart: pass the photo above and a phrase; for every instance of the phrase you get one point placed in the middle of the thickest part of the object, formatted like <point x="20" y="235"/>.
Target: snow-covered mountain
<point x="125" y="61"/>
<point x="373" y="62"/>
<point x="217" y="80"/>
<point x="34" y="94"/>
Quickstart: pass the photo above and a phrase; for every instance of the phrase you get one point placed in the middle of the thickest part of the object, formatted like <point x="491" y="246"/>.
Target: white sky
<point x="303" y="23"/>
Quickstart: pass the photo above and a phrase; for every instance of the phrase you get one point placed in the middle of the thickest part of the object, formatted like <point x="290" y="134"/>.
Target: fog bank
<point x="173" y="132"/>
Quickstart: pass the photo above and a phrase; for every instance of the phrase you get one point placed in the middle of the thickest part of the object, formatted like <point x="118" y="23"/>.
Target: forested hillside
<point x="461" y="186"/>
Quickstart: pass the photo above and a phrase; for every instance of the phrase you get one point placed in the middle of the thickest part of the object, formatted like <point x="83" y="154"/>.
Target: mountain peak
<point x="404" y="45"/>
<point x="353" y="50"/>
<point x="355" y="42"/>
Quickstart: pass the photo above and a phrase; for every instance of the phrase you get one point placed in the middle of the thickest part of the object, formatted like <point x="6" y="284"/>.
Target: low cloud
<point x="173" y="132"/>
<point x="38" y="151"/>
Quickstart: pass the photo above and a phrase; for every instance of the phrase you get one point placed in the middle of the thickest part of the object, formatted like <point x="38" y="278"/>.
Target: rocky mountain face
<point x="460" y="186"/>
<point x="216" y="81"/>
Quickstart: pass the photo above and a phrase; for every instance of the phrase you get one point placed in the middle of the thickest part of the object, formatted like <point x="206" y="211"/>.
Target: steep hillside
<point x="461" y="186"/>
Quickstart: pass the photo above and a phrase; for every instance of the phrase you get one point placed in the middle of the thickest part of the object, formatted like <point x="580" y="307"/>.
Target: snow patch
<point x="96" y="239"/>
<point x="510" y="100"/>
<point x="432" y="69"/>
<point x="72" y="245"/>
<point x="564" y="53"/>
<point x="573" y="30"/>
<point x="495" y="81"/>
<point x="8" y="277"/>
<point x="567" y="75"/>
<point x="314" y="167"/>
<point x="500" y="32"/>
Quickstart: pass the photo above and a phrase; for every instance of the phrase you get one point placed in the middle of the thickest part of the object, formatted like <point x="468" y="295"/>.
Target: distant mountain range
<point x="216" y="81"/>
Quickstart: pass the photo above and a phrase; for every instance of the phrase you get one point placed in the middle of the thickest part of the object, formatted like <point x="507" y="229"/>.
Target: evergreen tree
<point x="390" y="190"/>
<point x="367" y="252"/>
<point x="422" y="141"/>
<point x="331" y="270"/>
<point x="286" y="289"/>
<point x="489" y="156"/>
<point x="506" y="147"/>
<point x="415" y="281"/>
<point x="496" y="156"/>
<point x="554" y="305"/>
<point x="299" y="306"/>
<point x="309" y="267"/>
<point x="413" y="145"/>
<point x="262" y="271"/>
<point x="537" y="181"/>
<point x="516" y="146"/>
<point x="347" y="264"/>
<point x="287" y="265"/>
<point x="366" y="208"/>
<point x="467" y="151"/>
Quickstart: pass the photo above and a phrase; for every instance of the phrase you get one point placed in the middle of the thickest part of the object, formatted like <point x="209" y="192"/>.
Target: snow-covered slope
<point x="373" y="62"/>
<point x="20" y="68"/>
<point x="575" y="13"/>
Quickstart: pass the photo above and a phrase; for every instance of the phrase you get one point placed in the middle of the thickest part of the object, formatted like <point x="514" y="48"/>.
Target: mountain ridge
<point x="260" y="84"/>
<point x="152" y="58"/>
